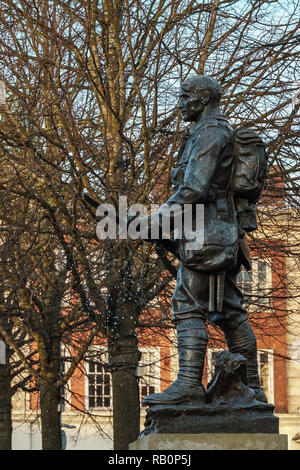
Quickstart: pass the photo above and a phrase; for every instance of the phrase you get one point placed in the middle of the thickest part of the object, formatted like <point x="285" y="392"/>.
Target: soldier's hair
<point x="198" y="83"/>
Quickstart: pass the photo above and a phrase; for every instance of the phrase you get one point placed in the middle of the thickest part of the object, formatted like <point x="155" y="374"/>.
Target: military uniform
<point x="202" y="176"/>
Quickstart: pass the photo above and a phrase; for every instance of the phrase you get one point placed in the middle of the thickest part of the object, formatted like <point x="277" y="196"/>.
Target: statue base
<point x="211" y="442"/>
<point x="230" y="409"/>
<point x="195" y="418"/>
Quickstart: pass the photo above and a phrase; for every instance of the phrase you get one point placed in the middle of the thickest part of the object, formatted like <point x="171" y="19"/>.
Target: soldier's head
<point x="196" y="93"/>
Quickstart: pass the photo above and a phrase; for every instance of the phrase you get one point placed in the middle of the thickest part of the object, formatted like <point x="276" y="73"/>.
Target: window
<point x="65" y="390"/>
<point x="266" y="375"/>
<point x="150" y="365"/>
<point x="211" y="356"/>
<point x="99" y="385"/>
<point x="256" y="284"/>
<point x="244" y="280"/>
<point x="98" y="382"/>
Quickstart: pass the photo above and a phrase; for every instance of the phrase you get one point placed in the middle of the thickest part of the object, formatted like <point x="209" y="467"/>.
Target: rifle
<point x="161" y="246"/>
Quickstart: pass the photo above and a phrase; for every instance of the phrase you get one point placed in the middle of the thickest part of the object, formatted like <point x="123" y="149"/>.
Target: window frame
<point x="270" y="353"/>
<point x="209" y="363"/>
<point x="255" y="303"/>
<point x="100" y="351"/>
<point x="156" y="378"/>
<point x="66" y="390"/>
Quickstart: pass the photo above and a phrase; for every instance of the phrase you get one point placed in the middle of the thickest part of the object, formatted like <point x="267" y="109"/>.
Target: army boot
<point x="242" y="340"/>
<point x="192" y="342"/>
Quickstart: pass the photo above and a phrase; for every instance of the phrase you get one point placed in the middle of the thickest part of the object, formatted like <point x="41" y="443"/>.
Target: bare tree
<point x="91" y="94"/>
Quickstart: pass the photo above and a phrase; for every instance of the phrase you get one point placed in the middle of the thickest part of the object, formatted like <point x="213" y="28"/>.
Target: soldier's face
<point x="191" y="105"/>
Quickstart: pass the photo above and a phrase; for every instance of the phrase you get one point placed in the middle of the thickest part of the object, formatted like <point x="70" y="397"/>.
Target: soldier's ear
<point x="205" y="96"/>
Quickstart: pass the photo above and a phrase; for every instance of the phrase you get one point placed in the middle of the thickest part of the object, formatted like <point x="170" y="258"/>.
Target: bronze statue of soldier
<point x="206" y="288"/>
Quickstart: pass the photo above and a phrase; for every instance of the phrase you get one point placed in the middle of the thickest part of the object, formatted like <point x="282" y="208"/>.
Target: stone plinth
<point x="251" y="417"/>
<point x="229" y="417"/>
<point x="211" y="442"/>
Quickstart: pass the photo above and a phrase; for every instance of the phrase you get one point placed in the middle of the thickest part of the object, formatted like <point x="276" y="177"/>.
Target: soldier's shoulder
<point x="213" y="129"/>
<point x="201" y="128"/>
<point x="212" y="122"/>
<point x="224" y="123"/>
<point x="219" y="122"/>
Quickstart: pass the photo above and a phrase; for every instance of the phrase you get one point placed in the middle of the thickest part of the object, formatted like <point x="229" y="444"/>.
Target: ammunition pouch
<point x="246" y="214"/>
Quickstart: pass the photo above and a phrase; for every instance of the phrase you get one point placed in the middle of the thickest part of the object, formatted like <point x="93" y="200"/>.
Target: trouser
<point x="190" y="311"/>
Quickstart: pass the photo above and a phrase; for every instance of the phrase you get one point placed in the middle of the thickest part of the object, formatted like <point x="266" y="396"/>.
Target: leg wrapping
<point x="242" y="340"/>
<point x="192" y="343"/>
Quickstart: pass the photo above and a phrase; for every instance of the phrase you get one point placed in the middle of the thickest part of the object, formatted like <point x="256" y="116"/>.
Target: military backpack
<point x="250" y="171"/>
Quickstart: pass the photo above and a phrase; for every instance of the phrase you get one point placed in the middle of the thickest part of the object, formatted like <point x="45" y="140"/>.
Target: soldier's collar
<point x="204" y="121"/>
<point x="194" y="127"/>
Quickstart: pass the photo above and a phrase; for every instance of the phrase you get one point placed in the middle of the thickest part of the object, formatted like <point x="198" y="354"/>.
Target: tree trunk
<point x="126" y="408"/>
<point x="50" y="415"/>
<point x="124" y="357"/>
<point x="5" y="408"/>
